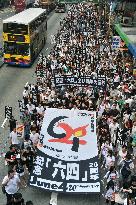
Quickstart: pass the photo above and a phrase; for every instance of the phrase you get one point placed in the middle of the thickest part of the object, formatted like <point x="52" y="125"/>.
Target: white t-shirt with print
<point x="12" y="185"/>
<point x="34" y="138"/>
<point x="109" y="160"/>
<point x="112" y="175"/>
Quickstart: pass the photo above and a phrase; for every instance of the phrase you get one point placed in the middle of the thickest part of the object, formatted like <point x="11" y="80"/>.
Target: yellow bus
<point x="24" y="35"/>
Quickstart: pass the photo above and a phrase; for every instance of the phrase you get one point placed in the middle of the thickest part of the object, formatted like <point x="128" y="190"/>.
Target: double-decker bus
<point x="24" y="35"/>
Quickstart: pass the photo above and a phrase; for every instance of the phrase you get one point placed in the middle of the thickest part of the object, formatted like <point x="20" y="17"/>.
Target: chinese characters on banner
<point x="8" y="112"/>
<point x="67" y="157"/>
<point x="116" y="42"/>
<point x="82" y="81"/>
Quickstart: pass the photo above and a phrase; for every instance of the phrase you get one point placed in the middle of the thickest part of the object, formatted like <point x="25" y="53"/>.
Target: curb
<point x="1" y="63"/>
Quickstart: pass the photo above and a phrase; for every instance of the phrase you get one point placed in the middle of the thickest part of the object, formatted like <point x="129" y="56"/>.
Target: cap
<point x="18" y="156"/>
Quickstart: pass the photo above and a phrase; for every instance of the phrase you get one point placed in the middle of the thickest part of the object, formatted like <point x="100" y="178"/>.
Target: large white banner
<point x="67" y="158"/>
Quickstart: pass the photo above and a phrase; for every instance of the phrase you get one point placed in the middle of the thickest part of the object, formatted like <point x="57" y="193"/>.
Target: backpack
<point x="125" y="171"/>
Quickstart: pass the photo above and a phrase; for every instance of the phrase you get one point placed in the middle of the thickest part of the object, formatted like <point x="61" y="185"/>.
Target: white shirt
<point x="133" y="130"/>
<point x="110" y="160"/>
<point x="12" y="185"/>
<point x="101" y="110"/>
<point x="34" y="138"/>
<point x="25" y="93"/>
<point x="30" y="108"/>
<point x="117" y="78"/>
<point x="27" y="144"/>
<point x="40" y="110"/>
<point x="129" y="100"/>
<point x="105" y="148"/>
<point x="122" y="155"/>
<point x="112" y="175"/>
<point x="113" y="128"/>
<point x="109" y="193"/>
<point x="125" y="201"/>
<point x="14" y="138"/>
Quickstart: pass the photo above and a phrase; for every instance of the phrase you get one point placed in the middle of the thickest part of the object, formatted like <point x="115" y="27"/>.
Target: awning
<point x="132" y="49"/>
<point x="122" y="34"/>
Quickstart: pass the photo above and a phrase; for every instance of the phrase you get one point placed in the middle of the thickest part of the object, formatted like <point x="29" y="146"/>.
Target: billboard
<point x="67" y="155"/>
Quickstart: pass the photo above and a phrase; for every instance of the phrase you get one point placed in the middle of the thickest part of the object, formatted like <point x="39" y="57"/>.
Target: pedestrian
<point x="28" y="158"/>
<point x="127" y="168"/>
<point x="10" y="156"/>
<point x="110" y="193"/>
<point x="112" y="174"/>
<point x="11" y="183"/>
<point x="12" y="123"/>
<point x="20" y="170"/>
<point x="14" y="138"/>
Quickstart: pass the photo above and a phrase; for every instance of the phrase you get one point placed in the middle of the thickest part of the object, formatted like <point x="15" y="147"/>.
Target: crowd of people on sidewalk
<point x="83" y="47"/>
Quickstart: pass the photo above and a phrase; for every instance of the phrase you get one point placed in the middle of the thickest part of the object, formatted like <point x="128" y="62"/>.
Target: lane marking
<point x="4" y="122"/>
<point x="53" y="200"/>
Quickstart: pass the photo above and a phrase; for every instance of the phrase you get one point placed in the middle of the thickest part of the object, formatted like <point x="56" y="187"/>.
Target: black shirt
<point x="29" y="157"/>
<point x="11" y="155"/>
<point x="19" y="203"/>
<point x="20" y="167"/>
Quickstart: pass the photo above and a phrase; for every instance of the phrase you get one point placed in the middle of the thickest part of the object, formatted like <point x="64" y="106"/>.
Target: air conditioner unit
<point x="127" y="21"/>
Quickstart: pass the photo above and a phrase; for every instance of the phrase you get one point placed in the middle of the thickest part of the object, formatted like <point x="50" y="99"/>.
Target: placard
<point x="80" y="81"/>
<point x="116" y="42"/>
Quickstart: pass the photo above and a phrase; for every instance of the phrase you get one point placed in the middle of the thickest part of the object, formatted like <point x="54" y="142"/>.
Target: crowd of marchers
<point x="82" y="47"/>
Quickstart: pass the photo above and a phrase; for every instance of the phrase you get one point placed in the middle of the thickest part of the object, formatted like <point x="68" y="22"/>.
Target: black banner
<point x="8" y="112"/>
<point x="80" y="81"/>
<point x="65" y="176"/>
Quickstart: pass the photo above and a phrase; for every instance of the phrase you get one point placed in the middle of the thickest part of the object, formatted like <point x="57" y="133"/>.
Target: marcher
<point x="14" y="138"/>
<point x="10" y="156"/>
<point x="110" y="193"/>
<point x="82" y="48"/>
<point x="11" y="183"/>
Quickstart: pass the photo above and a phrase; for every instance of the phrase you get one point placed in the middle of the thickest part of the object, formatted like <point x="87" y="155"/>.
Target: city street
<point x="12" y="81"/>
<point x="74" y="108"/>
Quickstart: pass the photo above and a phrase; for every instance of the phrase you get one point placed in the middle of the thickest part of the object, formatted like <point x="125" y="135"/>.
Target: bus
<point x="24" y="36"/>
